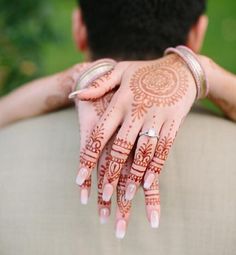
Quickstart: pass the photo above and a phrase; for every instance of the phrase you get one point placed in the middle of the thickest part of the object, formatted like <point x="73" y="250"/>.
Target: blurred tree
<point x="24" y="28"/>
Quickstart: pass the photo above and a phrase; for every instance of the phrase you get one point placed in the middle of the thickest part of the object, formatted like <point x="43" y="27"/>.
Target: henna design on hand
<point x="119" y="154"/>
<point x="161" y="84"/>
<point x="88" y="157"/>
<point x="152" y="196"/>
<point x="101" y="104"/>
<point x="123" y="204"/>
<point x="141" y="161"/>
<point x="103" y="169"/>
<point x="87" y="183"/>
<point x="161" y="154"/>
<point x="66" y="82"/>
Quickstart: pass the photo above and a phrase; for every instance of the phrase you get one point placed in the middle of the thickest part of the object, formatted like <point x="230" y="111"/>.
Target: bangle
<point x="94" y="71"/>
<point x="191" y="60"/>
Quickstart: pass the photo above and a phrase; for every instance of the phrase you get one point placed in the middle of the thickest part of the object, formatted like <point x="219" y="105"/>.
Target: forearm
<point x="34" y="98"/>
<point x="222" y="87"/>
<point x="38" y="97"/>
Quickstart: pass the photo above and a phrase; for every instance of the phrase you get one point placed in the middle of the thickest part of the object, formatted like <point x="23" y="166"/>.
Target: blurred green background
<point x="35" y="38"/>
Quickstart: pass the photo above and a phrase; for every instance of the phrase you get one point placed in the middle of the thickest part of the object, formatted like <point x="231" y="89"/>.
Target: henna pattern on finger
<point x="118" y="156"/>
<point x="163" y="148"/>
<point x="161" y="154"/>
<point x="123" y="204"/>
<point x="141" y="161"/>
<point x="152" y="195"/>
<point x="93" y="146"/>
<point x="101" y="104"/>
<point x="103" y="169"/>
<point x="162" y="84"/>
<point x="87" y="183"/>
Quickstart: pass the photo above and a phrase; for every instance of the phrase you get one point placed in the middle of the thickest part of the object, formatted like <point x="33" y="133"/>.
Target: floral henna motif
<point x="152" y="196"/>
<point x="123" y="204"/>
<point x="101" y="104"/>
<point x="119" y="154"/>
<point x="162" y="84"/>
<point x="93" y="148"/>
<point x="161" y="154"/>
<point x="141" y="161"/>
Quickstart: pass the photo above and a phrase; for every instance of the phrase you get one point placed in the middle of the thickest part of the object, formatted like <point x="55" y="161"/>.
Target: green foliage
<point x="25" y="27"/>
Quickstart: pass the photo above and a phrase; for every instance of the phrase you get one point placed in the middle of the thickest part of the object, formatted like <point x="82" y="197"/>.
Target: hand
<point x="152" y="95"/>
<point x="89" y="114"/>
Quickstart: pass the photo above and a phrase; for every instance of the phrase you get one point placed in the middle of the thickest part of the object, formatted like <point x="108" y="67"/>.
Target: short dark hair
<point x="138" y="29"/>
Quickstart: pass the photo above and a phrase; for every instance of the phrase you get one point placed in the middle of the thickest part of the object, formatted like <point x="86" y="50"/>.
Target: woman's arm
<point x="39" y="96"/>
<point x="222" y="87"/>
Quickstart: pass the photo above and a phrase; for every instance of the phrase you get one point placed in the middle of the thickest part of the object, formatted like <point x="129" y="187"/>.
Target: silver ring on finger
<point x="150" y="133"/>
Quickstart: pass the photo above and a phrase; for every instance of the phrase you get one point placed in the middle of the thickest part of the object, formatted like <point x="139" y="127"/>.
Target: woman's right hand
<point x="89" y="112"/>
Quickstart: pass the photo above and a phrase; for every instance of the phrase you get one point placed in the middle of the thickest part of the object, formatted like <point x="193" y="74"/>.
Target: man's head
<point x="138" y="29"/>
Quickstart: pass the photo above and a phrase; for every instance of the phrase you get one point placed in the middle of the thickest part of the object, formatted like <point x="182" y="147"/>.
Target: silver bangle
<point x="195" y="68"/>
<point x="96" y="70"/>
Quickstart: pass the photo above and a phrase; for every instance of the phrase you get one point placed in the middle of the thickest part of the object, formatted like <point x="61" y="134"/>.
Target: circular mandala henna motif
<point x="157" y="85"/>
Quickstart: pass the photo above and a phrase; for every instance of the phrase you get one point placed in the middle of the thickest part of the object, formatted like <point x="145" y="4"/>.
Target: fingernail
<point x="84" y="196"/>
<point x="75" y="93"/>
<point x="120" y="229"/>
<point x="82" y="175"/>
<point x="130" y="191"/>
<point x="107" y="192"/>
<point x="149" y="180"/>
<point x="104" y="214"/>
<point x="154" y="219"/>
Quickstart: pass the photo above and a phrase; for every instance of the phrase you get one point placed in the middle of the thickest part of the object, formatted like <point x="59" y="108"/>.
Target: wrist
<point x="205" y="63"/>
<point x="195" y="67"/>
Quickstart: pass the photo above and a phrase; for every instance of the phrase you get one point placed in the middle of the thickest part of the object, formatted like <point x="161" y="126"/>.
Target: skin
<point x="51" y="93"/>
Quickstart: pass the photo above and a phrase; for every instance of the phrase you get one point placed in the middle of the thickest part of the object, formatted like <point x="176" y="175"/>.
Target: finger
<point x="164" y="145"/>
<point x="123" y="206"/>
<point x="143" y="156"/>
<point x="103" y="84"/>
<point x="96" y="141"/>
<point x="85" y="190"/>
<point x="104" y="208"/>
<point x="120" y="151"/>
<point x="152" y="203"/>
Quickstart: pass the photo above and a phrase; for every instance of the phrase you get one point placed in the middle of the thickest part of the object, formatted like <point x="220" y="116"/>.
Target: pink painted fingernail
<point x="84" y="196"/>
<point x="120" y="229"/>
<point x="149" y="180"/>
<point x="82" y="175"/>
<point x="130" y="191"/>
<point x="154" y="219"/>
<point x="104" y="215"/>
<point x="107" y="192"/>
